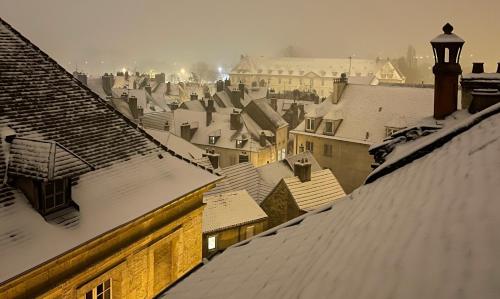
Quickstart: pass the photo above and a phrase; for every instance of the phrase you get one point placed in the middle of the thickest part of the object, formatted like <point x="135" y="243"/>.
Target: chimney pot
<point x="235" y="120"/>
<point x="302" y="170"/>
<point x="477" y="67"/>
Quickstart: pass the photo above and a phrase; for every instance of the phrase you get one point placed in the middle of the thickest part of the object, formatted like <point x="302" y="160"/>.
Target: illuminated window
<point x="211" y="140"/>
<point x="102" y="291"/>
<point x="212" y="242"/>
<point x="239" y="143"/>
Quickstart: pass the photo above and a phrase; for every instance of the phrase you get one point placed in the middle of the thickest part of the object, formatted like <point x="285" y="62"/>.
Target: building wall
<point x="280" y="206"/>
<point x="230" y="157"/>
<point x="231" y="236"/>
<point x="281" y="140"/>
<point x="141" y="258"/>
<point x="349" y="162"/>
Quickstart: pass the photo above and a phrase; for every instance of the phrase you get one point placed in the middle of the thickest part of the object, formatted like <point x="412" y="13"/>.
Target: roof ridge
<point x="97" y="97"/>
<point x="425" y="149"/>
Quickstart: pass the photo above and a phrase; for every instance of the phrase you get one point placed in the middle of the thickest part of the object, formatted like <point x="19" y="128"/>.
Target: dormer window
<point x="55" y="195"/>
<point x="310" y="124"/>
<point x="212" y="139"/>
<point x="329" y="127"/>
<point x="240" y="143"/>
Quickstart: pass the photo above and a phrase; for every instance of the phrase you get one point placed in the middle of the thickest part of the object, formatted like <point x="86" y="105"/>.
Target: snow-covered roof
<point x="490" y="77"/>
<point x="264" y="115"/>
<point x="323" y="188"/>
<point x="294" y="66"/>
<point x="231" y="209"/>
<point x="428" y="229"/>
<point x="55" y="118"/>
<point x="369" y="109"/>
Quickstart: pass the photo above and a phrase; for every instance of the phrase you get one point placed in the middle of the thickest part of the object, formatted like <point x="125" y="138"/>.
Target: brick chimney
<point x="483" y="98"/>
<point x="235" y="120"/>
<point x="219" y="86"/>
<point x="132" y="105"/>
<point x="186" y="131"/>
<point x="477" y="67"/>
<point x="446" y="48"/>
<point x="302" y="170"/>
<point x="213" y="157"/>
<point x="194" y="96"/>
<point x="339" y="85"/>
<point x="235" y="96"/>
<point x="241" y="88"/>
<point x="169" y="88"/>
<point x="274" y="103"/>
<point x="262" y="139"/>
<point x="209" y="110"/>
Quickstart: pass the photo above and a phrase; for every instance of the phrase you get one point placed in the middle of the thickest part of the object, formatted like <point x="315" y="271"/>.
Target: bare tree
<point x="202" y="71"/>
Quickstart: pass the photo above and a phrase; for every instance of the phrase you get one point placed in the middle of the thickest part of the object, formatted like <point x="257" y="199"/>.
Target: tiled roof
<point x="428" y="229"/>
<point x="263" y="114"/>
<point x="45" y="108"/>
<point x="243" y="176"/>
<point x="156" y="120"/>
<point x="230" y="209"/>
<point x="366" y="111"/>
<point x="323" y="188"/>
<point x="44" y="160"/>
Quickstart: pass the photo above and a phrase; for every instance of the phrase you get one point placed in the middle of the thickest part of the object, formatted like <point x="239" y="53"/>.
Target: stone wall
<point x="280" y="206"/>
<point x="141" y="258"/>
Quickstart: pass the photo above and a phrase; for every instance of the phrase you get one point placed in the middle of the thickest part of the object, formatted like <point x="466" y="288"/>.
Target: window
<point x="239" y="143"/>
<point x="211" y="140"/>
<point x="243" y="158"/>
<point x="309" y="146"/>
<point x="309" y="124"/>
<point x="329" y="127"/>
<point x="250" y="230"/>
<point x="55" y="194"/>
<point x="102" y="291"/>
<point x="328" y="150"/>
<point x="212" y="242"/>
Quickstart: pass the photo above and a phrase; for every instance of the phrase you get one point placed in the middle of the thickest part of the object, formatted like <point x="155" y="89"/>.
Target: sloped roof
<point x="263" y="114"/>
<point x="226" y="210"/>
<point x="156" y="120"/>
<point x="370" y="109"/>
<point x="134" y="174"/>
<point x="323" y="188"/>
<point x="44" y="160"/>
<point x="425" y="230"/>
<point x="243" y="176"/>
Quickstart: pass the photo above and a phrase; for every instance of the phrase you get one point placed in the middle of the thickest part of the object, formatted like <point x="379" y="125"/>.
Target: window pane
<point x="59" y="199"/>
<point x="107" y="284"/>
<point x="211" y="243"/>
<point x="49" y="188"/>
<point x="107" y="294"/>
<point x="88" y="295"/>
<point x="99" y="289"/>
<point x="100" y="296"/>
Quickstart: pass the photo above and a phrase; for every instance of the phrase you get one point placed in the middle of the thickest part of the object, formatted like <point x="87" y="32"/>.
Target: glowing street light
<point x="220" y="70"/>
<point x="183" y="71"/>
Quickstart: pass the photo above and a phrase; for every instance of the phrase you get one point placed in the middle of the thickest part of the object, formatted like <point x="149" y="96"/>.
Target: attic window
<point x="55" y="194"/>
<point x="212" y="139"/>
<point x="212" y="243"/>
<point x="240" y="143"/>
<point x="309" y="124"/>
<point x="329" y="127"/>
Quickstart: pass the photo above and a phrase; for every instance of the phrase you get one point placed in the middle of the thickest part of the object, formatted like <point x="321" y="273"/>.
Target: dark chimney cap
<point x="447" y="28"/>
<point x="477" y="67"/>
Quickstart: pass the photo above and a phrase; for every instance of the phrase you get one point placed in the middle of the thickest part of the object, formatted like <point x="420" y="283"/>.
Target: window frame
<point x="212" y="140"/>
<point x="214" y="238"/>
<point x="332" y="128"/>
<point x="310" y="124"/>
<point x="94" y="293"/>
<point x="310" y="146"/>
<point x="58" y="190"/>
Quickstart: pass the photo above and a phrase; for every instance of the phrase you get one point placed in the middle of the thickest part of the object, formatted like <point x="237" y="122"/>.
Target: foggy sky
<point x="155" y="34"/>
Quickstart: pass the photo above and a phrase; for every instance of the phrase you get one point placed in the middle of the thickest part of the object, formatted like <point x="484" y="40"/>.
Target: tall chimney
<point x="241" y="87"/>
<point x="132" y="104"/>
<point x="227" y="82"/>
<point x="477" y="67"/>
<point x="302" y="170"/>
<point x="213" y="157"/>
<point x="274" y="103"/>
<point x="447" y="48"/>
<point x="262" y="139"/>
<point x="169" y="88"/>
<point x="186" y="131"/>
<point x="219" y="85"/>
<point x="235" y="120"/>
<point x="210" y="109"/>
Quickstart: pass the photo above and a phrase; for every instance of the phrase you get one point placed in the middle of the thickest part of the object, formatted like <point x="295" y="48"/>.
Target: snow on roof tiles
<point x="323" y="188"/>
<point x="372" y="108"/>
<point x="426" y="230"/>
<point x="226" y="210"/>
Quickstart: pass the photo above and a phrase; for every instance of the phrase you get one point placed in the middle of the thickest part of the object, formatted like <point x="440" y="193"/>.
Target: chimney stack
<point x="227" y="82"/>
<point x="219" y="85"/>
<point x="194" y="96"/>
<point x="209" y="109"/>
<point x="262" y="139"/>
<point x="169" y="88"/>
<point x="477" y="67"/>
<point x="213" y="157"/>
<point x="447" y="48"/>
<point x="235" y="120"/>
<point x="132" y="104"/>
<point x="186" y="131"/>
<point x="274" y="103"/>
<point x="302" y="170"/>
<point x="483" y="98"/>
<point x="241" y="88"/>
<point x="498" y="67"/>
